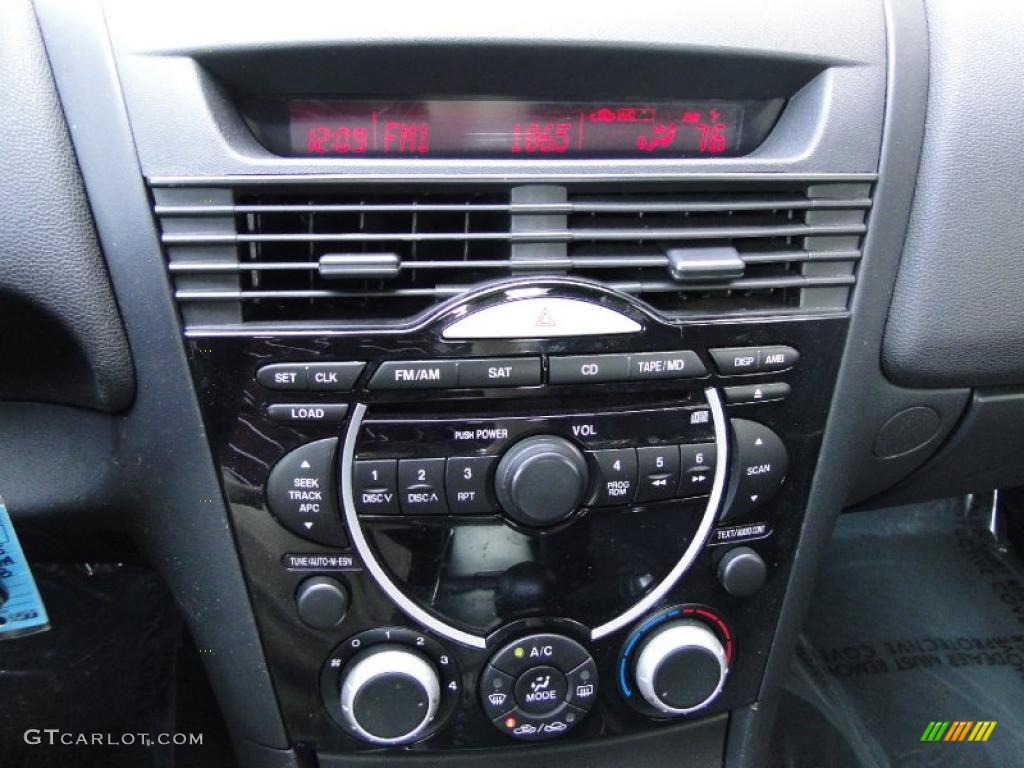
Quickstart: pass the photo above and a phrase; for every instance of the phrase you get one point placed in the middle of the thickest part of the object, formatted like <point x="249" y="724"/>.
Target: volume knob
<point x="389" y="695"/>
<point x="681" y="667"/>
<point x="541" y="480"/>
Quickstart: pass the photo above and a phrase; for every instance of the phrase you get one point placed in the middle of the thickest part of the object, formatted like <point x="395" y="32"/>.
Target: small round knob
<point x="321" y="602"/>
<point x="389" y="695"/>
<point x="681" y="667"/>
<point x="742" y="572"/>
<point x="541" y="480"/>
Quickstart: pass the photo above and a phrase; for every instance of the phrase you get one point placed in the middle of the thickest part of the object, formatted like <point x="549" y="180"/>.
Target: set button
<point x="735" y="361"/>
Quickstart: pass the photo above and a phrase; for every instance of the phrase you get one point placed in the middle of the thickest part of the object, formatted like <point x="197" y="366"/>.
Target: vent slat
<point x="740" y="284"/>
<point x="574" y="262"/>
<point x="283" y="253"/>
<point x="595" y="205"/>
<point x="567" y="236"/>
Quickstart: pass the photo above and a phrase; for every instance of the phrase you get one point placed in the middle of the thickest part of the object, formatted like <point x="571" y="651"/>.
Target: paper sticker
<point x="21" y="609"/>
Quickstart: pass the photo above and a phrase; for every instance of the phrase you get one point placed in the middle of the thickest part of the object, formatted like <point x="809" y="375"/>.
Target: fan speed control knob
<point x="681" y="667"/>
<point x="389" y="695"/>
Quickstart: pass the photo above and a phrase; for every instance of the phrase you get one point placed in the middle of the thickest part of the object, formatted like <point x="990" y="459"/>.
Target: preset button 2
<point x="421" y="484"/>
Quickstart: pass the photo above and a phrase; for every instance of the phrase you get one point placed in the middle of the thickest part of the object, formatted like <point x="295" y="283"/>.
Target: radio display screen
<point x="526" y="129"/>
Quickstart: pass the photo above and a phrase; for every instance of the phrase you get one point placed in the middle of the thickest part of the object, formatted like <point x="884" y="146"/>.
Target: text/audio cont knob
<point x="389" y="695"/>
<point x="541" y="480"/>
<point x="681" y="667"/>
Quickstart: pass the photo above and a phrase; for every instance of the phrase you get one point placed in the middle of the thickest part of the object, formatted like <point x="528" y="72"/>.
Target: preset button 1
<point x="375" y="487"/>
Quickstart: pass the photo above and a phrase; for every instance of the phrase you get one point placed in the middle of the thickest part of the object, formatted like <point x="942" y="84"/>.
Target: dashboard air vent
<point x="278" y="253"/>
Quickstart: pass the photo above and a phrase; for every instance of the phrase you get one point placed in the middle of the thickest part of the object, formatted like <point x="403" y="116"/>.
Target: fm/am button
<point x="416" y="374"/>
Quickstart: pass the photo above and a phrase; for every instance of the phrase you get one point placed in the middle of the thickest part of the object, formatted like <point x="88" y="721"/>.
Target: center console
<point x="541" y="511"/>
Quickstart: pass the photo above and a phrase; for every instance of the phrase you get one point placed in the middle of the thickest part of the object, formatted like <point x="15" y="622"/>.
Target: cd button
<point x="615" y="476"/>
<point x="421" y="482"/>
<point x="579" y="369"/>
<point x="375" y="487"/>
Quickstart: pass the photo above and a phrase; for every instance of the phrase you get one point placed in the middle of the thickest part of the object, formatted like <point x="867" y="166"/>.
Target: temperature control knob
<point x="541" y="480"/>
<point x="681" y="667"/>
<point x="389" y="694"/>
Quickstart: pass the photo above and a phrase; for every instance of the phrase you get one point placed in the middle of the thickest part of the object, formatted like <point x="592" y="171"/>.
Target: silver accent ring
<point x="441" y="628"/>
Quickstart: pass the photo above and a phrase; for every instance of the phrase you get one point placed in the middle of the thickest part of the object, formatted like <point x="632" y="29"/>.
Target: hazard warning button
<point x="541" y="318"/>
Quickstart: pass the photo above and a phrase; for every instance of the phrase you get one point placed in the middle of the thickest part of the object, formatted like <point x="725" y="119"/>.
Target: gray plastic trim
<point x="165" y="473"/>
